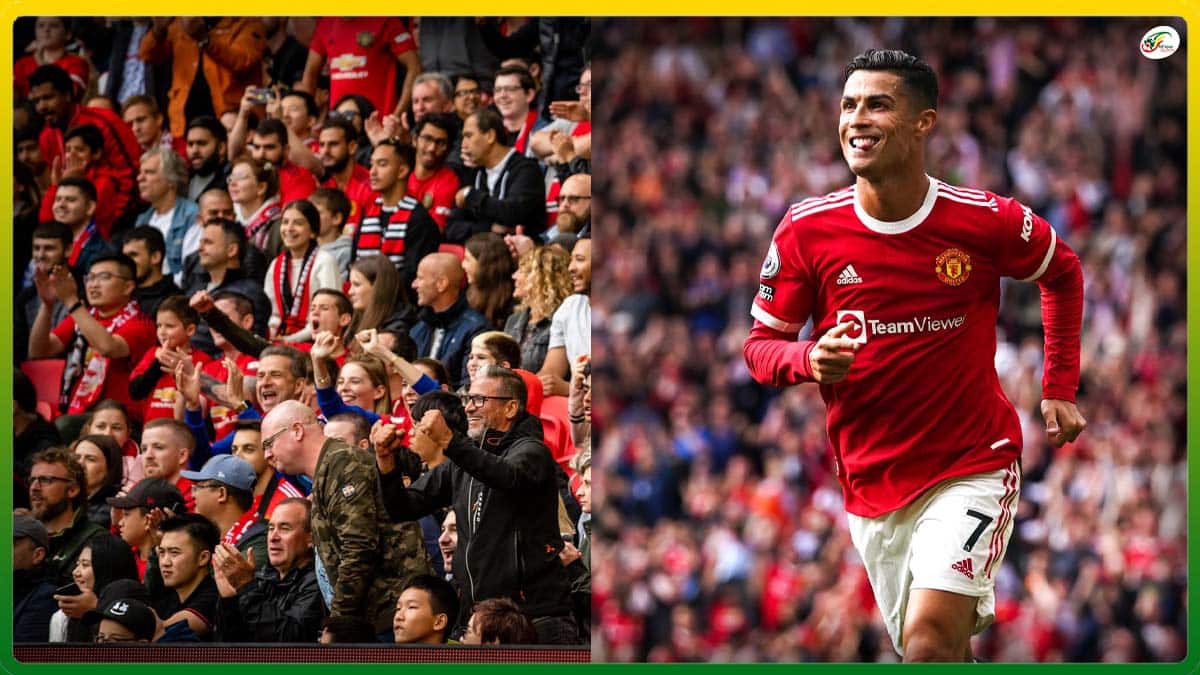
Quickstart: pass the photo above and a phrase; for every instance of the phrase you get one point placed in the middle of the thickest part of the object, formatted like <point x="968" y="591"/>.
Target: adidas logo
<point x="848" y="276"/>
<point x="965" y="567"/>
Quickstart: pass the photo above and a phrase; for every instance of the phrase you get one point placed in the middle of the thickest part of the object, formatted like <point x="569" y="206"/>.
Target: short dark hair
<point x="87" y="187"/>
<point x="307" y="210"/>
<point x="343" y="303"/>
<point x="301" y="366"/>
<point x="128" y="267"/>
<point x="918" y="76"/>
<point x="488" y="119"/>
<point x="349" y="629"/>
<point x="233" y="232"/>
<point x="243" y="498"/>
<point x="53" y="75"/>
<point x="310" y="103"/>
<point x="272" y="127"/>
<point x="334" y="200"/>
<point x="306" y="503"/>
<point x="56" y="454"/>
<point x="501" y="620"/>
<point x="200" y="529"/>
<point x="403" y="345"/>
<point x="241" y="304"/>
<point x="522" y="74"/>
<point x="447" y="122"/>
<point x="248" y="425"/>
<point x="24" y="393"/>
<point x="210" y="123"/>
<point x="55" y="230"/>
<point x="344" y="124"/>
<point x="404" y="151"/>
<point x="443" y="599"/>
<point x="511" y="383"/>
<point x="178" y="305"/>
<point x="361" y="428"/>
<point x="149" y="235"/>
<point x="448" y="404"/>
<point x="113" y="456"/>
<point x="89" y="134"/>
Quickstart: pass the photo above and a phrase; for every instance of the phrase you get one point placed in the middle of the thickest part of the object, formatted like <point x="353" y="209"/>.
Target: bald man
<point x="363" y="560"/>
<point x="446" y="324"/>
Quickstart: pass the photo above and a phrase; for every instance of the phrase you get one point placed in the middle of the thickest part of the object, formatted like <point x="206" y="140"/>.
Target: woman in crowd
<point x="540" y="284"/>
<point x="103" y="469"/>
<point x="109" y="418"/>
<point x="361" y="386"/>
<point x="299" y="271"/>
<point x="489" y="268"/>
<point x="105" y="559"/>
<point x="254" y="189"/>
<point x="378" y="300"/>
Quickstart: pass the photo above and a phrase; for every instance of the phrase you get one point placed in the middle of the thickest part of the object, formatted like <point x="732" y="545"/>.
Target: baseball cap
<point x="130" y="613"/>
<point x="151" y="493"/>
<point x="129" y="589"/>
<point x="28" y="526"/>
<point x="232" y="471"/>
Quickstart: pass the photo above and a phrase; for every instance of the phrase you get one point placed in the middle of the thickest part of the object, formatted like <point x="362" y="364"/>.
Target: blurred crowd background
<point x="722" y="528"/>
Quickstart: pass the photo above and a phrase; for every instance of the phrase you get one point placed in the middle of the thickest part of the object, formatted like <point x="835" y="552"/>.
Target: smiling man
<point x="900" y="275"/>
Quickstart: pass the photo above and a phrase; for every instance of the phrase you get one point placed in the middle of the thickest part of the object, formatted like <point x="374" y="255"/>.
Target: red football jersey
<point x="358" y="191"/>
<point x="362" y="57"/>
<point x="922" y="401"/>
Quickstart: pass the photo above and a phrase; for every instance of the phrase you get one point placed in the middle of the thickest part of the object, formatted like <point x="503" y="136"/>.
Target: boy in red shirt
<point x="153" y="379"/>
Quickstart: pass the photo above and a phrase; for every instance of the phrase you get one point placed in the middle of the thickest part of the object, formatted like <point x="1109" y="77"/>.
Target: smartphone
<point x="69" y="589"/>
<point x="260" y="95"/>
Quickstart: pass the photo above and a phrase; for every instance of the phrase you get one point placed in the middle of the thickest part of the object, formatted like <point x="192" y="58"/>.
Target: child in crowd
<point x="153" y="379"/>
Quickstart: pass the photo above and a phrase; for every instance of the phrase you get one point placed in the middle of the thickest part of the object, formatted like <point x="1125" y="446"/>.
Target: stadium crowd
<point x="302" y="330"/>
<point x="723" y="535"/>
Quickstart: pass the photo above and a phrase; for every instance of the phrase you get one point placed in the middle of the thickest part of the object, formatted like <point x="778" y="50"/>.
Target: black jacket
<point x="506" y="500"/>
<point x="519" y="199"/>
<point x="461" y="324"/>
<point x="270" y="609"/>
<point x="33" y="604"/>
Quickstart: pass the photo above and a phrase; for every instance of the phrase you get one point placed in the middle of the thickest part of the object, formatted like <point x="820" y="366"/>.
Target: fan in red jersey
<point x="900" y="276"/>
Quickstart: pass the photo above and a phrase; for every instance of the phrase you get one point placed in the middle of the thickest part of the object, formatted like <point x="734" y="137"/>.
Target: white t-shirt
<point x="571" y="326"/>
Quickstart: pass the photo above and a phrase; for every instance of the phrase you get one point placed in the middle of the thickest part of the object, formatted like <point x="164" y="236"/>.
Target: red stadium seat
<point x="46" y="376"/>
<point x="558" y="431"/>
<point x="456" y="249"/>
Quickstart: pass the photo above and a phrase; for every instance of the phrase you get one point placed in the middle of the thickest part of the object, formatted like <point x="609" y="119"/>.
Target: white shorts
<point x="952" y="538"/>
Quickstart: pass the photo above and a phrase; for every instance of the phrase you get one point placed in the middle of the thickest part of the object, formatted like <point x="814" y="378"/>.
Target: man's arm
<point x="432" y="491"/>
<point x="107" y="344"/>
<point x="1062" y="319"/>
<point x="554" y="369"/>
<point x="312" y="68"/>
<point x="525" y="466"/>
<point x="42" y="343"/>
<point x="411" y="62"/>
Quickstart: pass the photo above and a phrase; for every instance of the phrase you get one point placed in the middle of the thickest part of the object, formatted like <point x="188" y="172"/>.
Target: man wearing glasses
<point x="100" y="341"/>
<point x="362" y="561"/>
<point x="432" y="182"/>
<point x="500" y="480"/>
<point x="56" y="498"/>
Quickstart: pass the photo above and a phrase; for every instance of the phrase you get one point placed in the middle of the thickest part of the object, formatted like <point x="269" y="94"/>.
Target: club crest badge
<point x="953" y="267"/>
<point x="366" y="39"/>
<point x="770" y="266"/>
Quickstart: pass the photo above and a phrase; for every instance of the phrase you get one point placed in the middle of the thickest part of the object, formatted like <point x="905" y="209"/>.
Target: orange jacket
<point x="233" y="59"/>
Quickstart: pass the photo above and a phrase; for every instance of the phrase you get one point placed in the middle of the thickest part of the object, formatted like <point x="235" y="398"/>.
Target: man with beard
<point x="337" y="144"/>
<point x="206" y="139"/>
<point x="431" y="181"/>
<point x="144" y="246"/>
<point x="166" y="446"/>
<point x="571" y="327"/>
<point x="269" y="143"/>
<point x="56" y="498"/>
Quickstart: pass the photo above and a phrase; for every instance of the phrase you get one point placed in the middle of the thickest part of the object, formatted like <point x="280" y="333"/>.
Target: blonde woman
<point x="540" y="284"/>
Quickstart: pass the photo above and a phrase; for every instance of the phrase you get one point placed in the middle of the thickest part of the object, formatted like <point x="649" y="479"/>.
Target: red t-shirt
<point x="295" y="182"/>
<point x="75" y="66"/>
<point x="362" y="57"/>
<point x="225" y="419"/>
<point x="358" y="191"/>
<point x="922" y="401"/>
<point x="283" y="490"/>
<point x="435" y="193"/>
<point x="161" y="402"/>
<point x="138" y="333"/>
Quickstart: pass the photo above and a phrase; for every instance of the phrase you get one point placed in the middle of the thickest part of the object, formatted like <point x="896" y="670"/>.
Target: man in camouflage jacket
<point x="363" y="559"/>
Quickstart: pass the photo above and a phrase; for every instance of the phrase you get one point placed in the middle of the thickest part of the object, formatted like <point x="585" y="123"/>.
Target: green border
<point x="1187" y="10"/>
